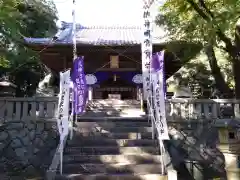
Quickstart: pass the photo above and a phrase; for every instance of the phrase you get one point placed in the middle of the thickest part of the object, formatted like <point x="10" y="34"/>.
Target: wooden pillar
<point x="65" y="63"/>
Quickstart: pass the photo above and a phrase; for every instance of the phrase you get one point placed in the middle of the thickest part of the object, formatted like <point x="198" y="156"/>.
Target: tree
<point x="20" y="19"/>
<point x="211" y="22"/>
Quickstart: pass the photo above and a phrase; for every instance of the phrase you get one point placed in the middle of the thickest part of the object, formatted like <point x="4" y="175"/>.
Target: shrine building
<point x="112" y="57"/>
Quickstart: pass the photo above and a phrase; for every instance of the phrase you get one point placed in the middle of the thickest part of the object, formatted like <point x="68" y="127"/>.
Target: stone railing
<point x="28" y="108"/>
<point x="177" y="109"/>
<point x="202" y="109"/>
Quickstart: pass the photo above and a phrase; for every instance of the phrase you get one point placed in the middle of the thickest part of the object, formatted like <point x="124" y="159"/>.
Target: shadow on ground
<point x="100" y="144"/>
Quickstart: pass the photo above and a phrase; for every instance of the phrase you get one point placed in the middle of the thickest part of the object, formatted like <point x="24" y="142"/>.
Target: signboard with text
<point x="146" y="51"/>
<point x="79" y="86"/>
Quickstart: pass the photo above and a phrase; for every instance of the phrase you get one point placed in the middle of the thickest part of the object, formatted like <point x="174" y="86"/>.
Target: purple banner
<point x="157" y="65"/>
<point x="79" y="86"/>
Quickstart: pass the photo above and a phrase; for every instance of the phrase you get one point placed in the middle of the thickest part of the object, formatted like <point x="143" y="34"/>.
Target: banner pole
<point x="151" y="103"/>
<point x="74" y="31"/>
<point x="162" y="156"/>
<point x="74" y="57"/>
<point x="61" y="155"/>
<point x="147" y="49"/>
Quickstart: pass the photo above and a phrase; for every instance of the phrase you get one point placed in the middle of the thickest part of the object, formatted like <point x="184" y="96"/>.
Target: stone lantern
<point x="7" y="89"/>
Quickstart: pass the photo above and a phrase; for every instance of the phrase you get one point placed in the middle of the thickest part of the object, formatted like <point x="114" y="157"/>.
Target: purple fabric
<point x="104" y="75"/>
<point x="157" y="65"/>
<point x="157" y="61"/>
<point x="79" y="86"/>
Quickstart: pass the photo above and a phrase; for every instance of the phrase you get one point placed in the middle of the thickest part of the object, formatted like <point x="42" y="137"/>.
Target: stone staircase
<point x="114" y="108"/>
<point x="112" y="149"/>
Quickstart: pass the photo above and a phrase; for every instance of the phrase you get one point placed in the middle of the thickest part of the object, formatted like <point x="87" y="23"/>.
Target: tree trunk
<point x="236" y="74"/>
<point x="232" y="49"/>
<point x="221" y="85"/>
<point x="236" y="61"/>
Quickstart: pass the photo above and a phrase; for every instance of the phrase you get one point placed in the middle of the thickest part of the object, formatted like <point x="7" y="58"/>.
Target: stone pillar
<point x="229" y="146"/>
<point x="140" y="97"/>
<point x="138" y="93"/>
<point x="90" y="93"/>
<point x="171" y="174"/>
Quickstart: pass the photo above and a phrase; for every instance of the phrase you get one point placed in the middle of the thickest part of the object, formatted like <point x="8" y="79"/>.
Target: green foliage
<point x="197" y="74"/>
<point x="4" y="62"/>
<point x="19" y="19"/>
<point x="37" y="18"/>
<point x="211" y="23"/>
<point x="184" y="23"/>
<point x="184" y="50"/>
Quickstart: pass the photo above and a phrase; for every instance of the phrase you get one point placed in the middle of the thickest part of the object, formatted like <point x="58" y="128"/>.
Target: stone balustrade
<point x="202" y="109"/>
<point x="27" y="143"/>
<point x="177" y="109"/>
<point x="28" y="108"/>
<point x="30" y="122"/>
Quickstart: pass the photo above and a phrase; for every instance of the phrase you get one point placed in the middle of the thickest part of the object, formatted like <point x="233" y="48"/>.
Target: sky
<point x="104" y="12"/>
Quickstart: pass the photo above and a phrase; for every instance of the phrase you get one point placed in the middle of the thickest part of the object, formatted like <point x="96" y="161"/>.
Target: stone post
<point x="90" y="93"/>
<point x="140" y="97"/>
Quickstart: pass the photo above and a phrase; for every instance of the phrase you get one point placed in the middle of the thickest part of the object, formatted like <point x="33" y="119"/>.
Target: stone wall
<point x="27" y="148"/>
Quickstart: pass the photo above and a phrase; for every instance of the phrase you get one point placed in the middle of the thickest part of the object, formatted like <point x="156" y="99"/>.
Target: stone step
<point x="114" y="102"/>
<point x="102" y="129"/>
<point x="80" y="142"/>
<point x="112" y="159"/>
<point x="112" y="168"/>
<point x="111" y="150"/>
<point x="115" y="106"/>
<point x="112" y="177"/>
<point x="97" y="113"/>
<point x="111" y="124"/>
<point x="103" y="115"/>
<point x="99" y="135"/>
<point x="117" y="110"/>
<point x="83" y="118"/>
<point x="118" y="106"/>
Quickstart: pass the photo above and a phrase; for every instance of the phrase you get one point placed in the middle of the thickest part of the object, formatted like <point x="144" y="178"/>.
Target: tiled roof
<point x="100" y="35"/>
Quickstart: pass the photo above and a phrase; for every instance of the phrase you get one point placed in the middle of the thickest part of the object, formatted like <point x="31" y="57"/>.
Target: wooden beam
<point x="82" y="49"/>
<point x="65" y="62"/>
<point x="119" y="69"/>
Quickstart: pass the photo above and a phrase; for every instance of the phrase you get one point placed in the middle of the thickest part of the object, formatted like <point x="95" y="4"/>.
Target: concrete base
<point x="113" y="177"/>
<point x="172" y="174"/>
<point x="233" y="175"/>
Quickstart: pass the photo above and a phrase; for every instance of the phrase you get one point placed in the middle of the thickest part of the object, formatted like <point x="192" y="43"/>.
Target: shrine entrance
<point x="115" y="88"/>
